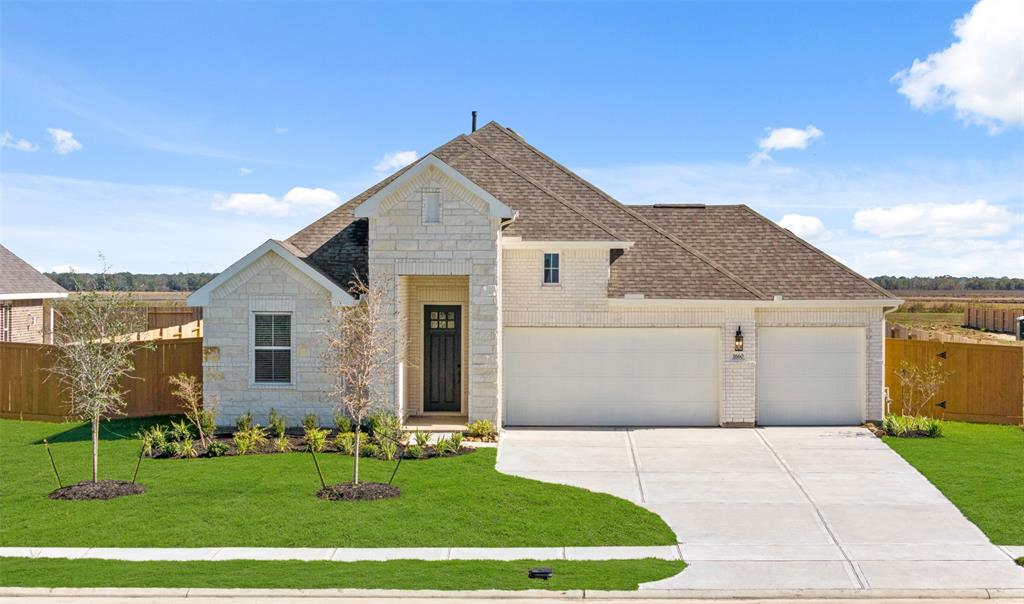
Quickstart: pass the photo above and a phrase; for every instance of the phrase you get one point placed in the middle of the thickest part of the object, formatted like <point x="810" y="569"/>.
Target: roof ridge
<point x="547" y="191"/>
<point x="637" y="216"/>
<point x="807" y="245"/>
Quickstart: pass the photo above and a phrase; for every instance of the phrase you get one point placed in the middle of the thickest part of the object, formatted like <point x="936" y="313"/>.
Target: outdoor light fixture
<point x="738" y="346"/>
<point x="543" y="572"/>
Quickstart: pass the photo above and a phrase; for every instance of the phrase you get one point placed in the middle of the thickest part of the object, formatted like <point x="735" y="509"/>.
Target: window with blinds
<point x="272" y="353"/>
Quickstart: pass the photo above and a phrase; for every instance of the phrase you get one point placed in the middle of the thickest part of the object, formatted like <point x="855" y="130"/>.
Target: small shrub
<point x="345" y="442"/>
<point x="386" y="427"/>
<point x="282" y="444"/>
<point x="253" y="439"/>
<point x="388" y="450"/>
<point x="187" y="448"/>
<point x="310" y="421"/>
<point x="415" y="451"/>
<point x="369" y="450"/>
<point x="342" y="422"/>
<point x="316" y="439"/>
<point x="483" y="429"/>
<point x="422" y="438"/>
<point x="456" y="441"/>
<point x="217" y="448"/>
<point x="244" y="422"/>
<point x="180" y="430"/>
<point x="443" y="447"/>
<point x="276" y="423"/>
<point x="910" y="425"/>
<point x="154" y="440"/>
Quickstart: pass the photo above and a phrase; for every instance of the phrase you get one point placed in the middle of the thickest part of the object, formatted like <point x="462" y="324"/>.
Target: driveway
<point x="775" y="508"/>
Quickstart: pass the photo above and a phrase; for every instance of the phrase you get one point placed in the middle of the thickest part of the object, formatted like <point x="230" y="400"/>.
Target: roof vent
<point x="474" y="122"/>
<point x="688" y="206"/>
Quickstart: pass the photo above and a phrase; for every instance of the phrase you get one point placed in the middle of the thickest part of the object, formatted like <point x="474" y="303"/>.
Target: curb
<point x="596" y="595"/>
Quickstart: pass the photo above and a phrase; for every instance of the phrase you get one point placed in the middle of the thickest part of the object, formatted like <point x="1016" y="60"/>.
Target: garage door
<point x="810" y="376"/>
<point x="610" y="376"/>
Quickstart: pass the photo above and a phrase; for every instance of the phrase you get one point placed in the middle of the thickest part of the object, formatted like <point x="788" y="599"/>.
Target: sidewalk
<point x="345" y="554"/>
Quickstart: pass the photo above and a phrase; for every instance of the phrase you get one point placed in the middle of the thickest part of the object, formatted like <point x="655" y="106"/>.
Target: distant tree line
<point x="134" y="282"/>
<point x="949" y="283"/>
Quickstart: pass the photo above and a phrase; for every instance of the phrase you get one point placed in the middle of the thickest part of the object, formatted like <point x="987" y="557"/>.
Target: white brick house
<point x="529" y="297"/>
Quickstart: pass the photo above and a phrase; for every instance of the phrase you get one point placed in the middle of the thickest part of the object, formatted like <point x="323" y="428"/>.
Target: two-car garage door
<point x="611" y="376"/>
<point x="670" y="376"/>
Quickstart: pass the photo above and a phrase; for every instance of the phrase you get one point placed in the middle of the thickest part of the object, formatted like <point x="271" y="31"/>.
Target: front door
<point x="442" y="358"/>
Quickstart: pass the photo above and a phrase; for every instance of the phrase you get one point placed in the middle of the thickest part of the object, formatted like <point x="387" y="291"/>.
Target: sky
<point x="178" y="137"/>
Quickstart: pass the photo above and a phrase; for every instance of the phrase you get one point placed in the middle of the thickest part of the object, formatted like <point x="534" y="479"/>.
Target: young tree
<point x="362" y="346"/>
<point x="93" y="355"/>
<point x="202" y="414"/>
<point x="918" y="384"/>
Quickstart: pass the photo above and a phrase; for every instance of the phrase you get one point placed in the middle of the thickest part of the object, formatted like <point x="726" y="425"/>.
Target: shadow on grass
<point x="116" y="429"/>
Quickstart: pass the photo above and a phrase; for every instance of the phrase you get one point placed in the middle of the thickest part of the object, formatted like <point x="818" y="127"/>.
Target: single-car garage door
<point x="810" y="376"/>
<point x="610" y="376"/>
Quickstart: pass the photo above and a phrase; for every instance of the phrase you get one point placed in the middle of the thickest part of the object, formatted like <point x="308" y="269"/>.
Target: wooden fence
<point x="28" y="392"/>
<point x="986" y="381"/>
<point x="993" y="318"/>
<point x="169" y="316"/>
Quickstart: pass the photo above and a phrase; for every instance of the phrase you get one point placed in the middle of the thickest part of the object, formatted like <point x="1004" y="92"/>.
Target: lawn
<point x="980" y="468"/>
<point x="269" y="501"/>
<point x="396" y="574"/>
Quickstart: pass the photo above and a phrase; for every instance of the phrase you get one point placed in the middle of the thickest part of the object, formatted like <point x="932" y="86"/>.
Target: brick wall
<point x="27" y="317"/>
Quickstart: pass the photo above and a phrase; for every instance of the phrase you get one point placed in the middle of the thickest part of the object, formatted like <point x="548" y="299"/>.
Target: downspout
<point x="887" y="402"/>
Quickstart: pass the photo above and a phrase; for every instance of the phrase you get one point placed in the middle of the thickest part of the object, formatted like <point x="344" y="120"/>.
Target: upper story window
<point x="552" y="268"/>
<point x="431" y="206"/>
<point x="272" y="354"/>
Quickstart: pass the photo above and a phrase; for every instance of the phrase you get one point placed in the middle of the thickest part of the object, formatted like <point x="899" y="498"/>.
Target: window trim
<point x="290" y="348"/>
<point x="556" y="269"/>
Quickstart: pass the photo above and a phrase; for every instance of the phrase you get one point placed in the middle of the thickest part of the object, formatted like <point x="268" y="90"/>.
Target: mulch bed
<point x="297" y="445"/>
<point x="104" y="489"/>
<point x="364" y="491"/>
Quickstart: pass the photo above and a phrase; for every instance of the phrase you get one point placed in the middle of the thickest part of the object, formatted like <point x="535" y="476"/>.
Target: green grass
<point x="396" y="574"/>
<point x="269" y="500"/>
<point x="980" y="468"/>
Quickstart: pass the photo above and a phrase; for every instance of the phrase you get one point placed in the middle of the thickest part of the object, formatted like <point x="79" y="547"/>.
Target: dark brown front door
<point x="442" y="358"/>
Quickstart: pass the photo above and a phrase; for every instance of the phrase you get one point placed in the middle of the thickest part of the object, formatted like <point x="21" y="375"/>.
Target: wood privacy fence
<point x="169" y="316"/>
<point x="986" y="381"/>
<point x="28" y="392"/>
<point x="998" y="319"/>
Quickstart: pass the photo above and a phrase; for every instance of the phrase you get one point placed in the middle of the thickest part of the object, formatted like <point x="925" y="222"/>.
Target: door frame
<point x="425" y="357"/>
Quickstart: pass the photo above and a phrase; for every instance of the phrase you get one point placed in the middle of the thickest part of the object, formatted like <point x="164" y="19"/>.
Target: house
<point x="26" y="301"/>
<point x="528" y="296"/>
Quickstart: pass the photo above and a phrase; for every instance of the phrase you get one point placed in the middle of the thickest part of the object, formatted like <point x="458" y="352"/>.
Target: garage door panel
<point x="810" y="376"/>
<point x="611" y="376"/>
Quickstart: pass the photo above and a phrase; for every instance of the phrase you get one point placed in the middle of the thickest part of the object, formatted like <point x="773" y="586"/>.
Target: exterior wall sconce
<point x="738" y="346"/>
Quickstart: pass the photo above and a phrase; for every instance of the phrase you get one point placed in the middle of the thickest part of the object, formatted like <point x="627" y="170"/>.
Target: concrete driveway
<point x="775" y="508"/>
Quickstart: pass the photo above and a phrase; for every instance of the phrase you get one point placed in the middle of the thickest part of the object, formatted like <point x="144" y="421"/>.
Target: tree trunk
<point x="355" y="461"/>
<point x="95" y="447"/>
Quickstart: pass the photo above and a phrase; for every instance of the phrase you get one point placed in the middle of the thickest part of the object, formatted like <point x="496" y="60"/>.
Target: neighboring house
<point x="528" y="296"/>
<point x="26" y="301"/>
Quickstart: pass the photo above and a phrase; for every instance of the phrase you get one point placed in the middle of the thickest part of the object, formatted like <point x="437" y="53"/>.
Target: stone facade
<point x="463" y="242"/>
<point x="269" y="284"/>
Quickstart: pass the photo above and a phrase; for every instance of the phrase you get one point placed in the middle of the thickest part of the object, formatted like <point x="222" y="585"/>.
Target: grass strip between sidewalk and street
<point x="395" y="574"/>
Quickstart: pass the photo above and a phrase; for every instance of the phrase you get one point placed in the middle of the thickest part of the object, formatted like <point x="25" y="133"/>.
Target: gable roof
<point x="668" y="259"/>
<point x="18" y="280"/>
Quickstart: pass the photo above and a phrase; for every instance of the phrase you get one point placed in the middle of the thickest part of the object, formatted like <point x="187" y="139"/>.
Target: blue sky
<point x="177" y="137"/>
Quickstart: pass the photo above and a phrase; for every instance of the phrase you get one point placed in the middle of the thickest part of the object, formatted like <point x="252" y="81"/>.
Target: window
<point x="442" y="319"/>
<point x="431" y="207"/>
<point x="551" y="266"/>
<point x="5" y="323"/>
<point x="273" y="348"/>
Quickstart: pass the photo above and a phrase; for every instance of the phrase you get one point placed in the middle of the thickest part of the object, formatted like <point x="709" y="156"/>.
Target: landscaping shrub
<point x="345" y="442"/>
<point x="369" y="450"/>
<point x="483" y="429"/>
<point x="244" y="422"/>
<point x="253" y="439"/>
<point x="154" y="440"/>
<point x="217" y="448"/>
<point x="183" y="448"/>
<point x="911" y="425"/>
<point x="456" y="441"/>
<point x="443" y="447"/>
<point x="282" y="444"/>
<point x="316" y="438"/>
<point x="388" y="450"/>
<point x="422" y="438"/>
<point x="310" y="421"/>
<point x="415" y="451"/>
<point x="276" y="423"/>
<point x="180" y="430"/>
<point x="386" y="427"/>
<point x="342" y="423"/>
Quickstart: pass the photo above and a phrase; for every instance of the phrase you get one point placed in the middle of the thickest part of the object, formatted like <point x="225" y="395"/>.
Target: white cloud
<point x="982" y="74"/>
<point x="280" y="130"/>
<point x="263" y="204"/>
<point x="245" y="171"/>
<point x="778" y="139"/>
<point x="938" y="256"/>
<point x="966" y="220"/>
<point x="810" y="228"/>
<point x="21" y="144"/>
<point x="63" y="141"/>
<point x="394" y="161"/>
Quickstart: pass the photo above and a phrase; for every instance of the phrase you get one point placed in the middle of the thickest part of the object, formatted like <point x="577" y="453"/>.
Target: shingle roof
<point x="18" y="277"/>
<point x="669" y="259"/>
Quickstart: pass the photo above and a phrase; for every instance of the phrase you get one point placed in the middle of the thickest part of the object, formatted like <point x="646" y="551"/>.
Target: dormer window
<point x="432" y="206"/>
<point x="552" y="268"/>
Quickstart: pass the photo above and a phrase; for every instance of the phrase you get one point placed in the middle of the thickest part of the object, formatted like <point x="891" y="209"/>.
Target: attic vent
<point x="687" y="206"/>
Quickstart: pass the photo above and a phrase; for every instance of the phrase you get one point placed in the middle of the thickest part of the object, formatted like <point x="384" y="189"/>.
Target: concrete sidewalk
<point x="344" y="554"/>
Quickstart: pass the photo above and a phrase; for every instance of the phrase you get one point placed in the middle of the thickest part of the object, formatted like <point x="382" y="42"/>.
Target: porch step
<point x="436" y="423"/>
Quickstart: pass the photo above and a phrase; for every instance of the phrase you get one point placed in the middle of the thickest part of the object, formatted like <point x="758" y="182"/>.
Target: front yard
<point x="980" y="468"/>
<point x="269" y="501"/>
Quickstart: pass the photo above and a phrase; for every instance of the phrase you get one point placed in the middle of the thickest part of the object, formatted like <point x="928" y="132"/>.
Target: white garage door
<point x="810" y="376"/>
<point x="610" y="376"/>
